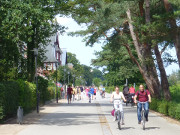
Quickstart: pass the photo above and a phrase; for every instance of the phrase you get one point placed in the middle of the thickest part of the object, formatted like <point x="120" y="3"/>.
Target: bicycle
<point x="119" y="116"/>
<point x="142" y="115"/>
<point x="103" y="94"/>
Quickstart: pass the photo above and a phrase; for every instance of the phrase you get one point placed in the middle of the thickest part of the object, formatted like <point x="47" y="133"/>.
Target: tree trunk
<point x="164" y="80"/>
<point x="174" y="27"/>
<point x="31" y="59"/>
<point x="146" y="66"/>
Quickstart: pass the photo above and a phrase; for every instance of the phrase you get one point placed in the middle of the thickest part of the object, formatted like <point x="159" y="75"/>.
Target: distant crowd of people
<point x="82" y="92"/>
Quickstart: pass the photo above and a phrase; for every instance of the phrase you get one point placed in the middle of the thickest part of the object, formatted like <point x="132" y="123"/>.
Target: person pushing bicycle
<point x="144" y="97"/>
<point x="117" y="97"/>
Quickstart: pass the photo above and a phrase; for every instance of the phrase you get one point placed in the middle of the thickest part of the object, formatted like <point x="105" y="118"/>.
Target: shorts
<point x="94" y="93"/>
<point x="69" y="96"/>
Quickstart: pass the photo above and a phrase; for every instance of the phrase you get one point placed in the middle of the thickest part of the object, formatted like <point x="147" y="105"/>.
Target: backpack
<point x="126" y="90"/>
<point x="139" y="92"/>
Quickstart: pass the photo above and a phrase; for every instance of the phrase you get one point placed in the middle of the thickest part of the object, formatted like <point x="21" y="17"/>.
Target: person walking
<point x="95" y="91"/>
<point x="87" y="90"/>
<point x="69" y="93"/>
<point x="73" y="94"/>
<point x="82" y="92"/>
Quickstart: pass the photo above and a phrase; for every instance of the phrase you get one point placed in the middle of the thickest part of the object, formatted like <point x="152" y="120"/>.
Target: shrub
<point x="1" y="100"/>
<point x="10" y="98"/>
<point x="172" y="109"/>
<point x="51" y="91"/>
<point x="32" y="89"/>
<point x="27" y="95"/>
<point x="175" y="92"/>
<point x="1" y="113"/>
<point x="43" y="91"/>
<point x="163" y="107"/>
<point x="109" y="89"/>
<point x="21" y="93"/>
<point x="177" y="112"/>
<point x="154" y="104"/>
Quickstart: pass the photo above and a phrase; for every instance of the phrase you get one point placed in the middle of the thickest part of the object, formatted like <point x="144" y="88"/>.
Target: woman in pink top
<point x="87" y="90"/>
<point x="132" y="90"/>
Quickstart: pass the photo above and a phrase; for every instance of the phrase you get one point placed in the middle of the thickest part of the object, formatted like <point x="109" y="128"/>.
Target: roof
<point x="50" y="50"/>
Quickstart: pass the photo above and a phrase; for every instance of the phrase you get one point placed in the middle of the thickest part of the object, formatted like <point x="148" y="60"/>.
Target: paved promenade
<point x="83" y="118"/>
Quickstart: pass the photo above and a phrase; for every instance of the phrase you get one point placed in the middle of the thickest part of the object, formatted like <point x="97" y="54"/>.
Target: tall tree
<point x="102" y="18"/>
<point x="173" y="24"/>
<point x="24" y="26"/>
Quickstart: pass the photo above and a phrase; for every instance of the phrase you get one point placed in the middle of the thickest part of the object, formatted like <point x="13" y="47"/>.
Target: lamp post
<point x="68" y="77"/>
<point x="37" y="92"/>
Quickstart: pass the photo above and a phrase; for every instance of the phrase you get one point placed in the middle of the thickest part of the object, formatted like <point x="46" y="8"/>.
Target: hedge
<point x="27" y="95"/>
<point x="22" y="93"/>
<point x="9" y="95"/>
<point x="171" y="109"/>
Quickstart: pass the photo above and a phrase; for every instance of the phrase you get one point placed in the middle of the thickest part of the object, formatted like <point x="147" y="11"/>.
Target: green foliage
<point x="171" y="109"/>
<point x="43" y="90"/>
<point x="25" y="25"/>
<point x="177" y="112"/>
<point x="78" y="82"/>
<point x="97" y="74"/>
<point x="154" y="105"/>
<point x="175" y="93"/>
<point x="119" y="66"/>
<point x="87" y="75"/>
<point x="51" y="91"/>
<point x="163" y="107"/>
<point x="9" y="93"/>
<point x="174" y="78"/>
<point x="97" y="82"/>
<point x="27" y="95"/>
<point x="22" y="93"/>
<point x="1" y="112"/>
<point x="1" y="100"/>
<point x="109" y="89"/>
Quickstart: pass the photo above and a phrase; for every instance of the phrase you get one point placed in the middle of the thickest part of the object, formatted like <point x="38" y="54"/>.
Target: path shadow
<point x="126" y="128"/>
<point x="151" y="128"/>
<point x="67" y="119"/>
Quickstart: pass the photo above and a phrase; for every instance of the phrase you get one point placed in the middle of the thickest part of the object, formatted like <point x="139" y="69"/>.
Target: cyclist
<point x="90" y="93"/>
<point x="143" y="96"/>
<point x="103" y="92"/>
<point x="117" y="98"/>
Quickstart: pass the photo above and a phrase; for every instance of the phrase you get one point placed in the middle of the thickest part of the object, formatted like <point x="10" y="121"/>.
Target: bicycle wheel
<point x="143" y="123"/>
<point x="119" y="120"/>
<point x="89" y="98"/>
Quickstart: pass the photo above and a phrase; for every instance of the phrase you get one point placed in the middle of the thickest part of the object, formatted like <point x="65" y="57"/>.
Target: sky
<point x="75" y="44"/>
<point x="85" y="53"/>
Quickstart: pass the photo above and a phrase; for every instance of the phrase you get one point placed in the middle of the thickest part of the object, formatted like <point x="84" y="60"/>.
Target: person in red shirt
<point x="143" y="96"/>
<point x="132" y="90"/>
<point x="69" y="93"/>
<point x="131" y="94"/>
